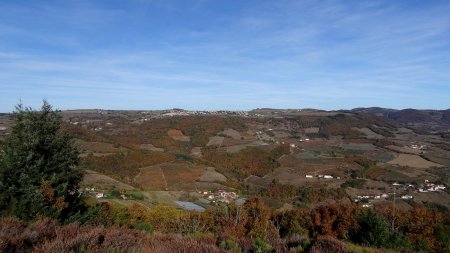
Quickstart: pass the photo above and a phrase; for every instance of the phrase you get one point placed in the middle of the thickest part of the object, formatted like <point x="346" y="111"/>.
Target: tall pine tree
<point x="39" y="174"/>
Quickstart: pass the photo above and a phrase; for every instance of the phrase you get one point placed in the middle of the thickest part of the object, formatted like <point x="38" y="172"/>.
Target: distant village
<point x="208" y="197"/>
<point x="180" y="112"/>
<point x="143" y="116"/>
<point x="404" y="193"/>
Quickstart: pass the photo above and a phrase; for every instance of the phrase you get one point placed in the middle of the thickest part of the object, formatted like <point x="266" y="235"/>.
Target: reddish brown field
<point x="151" y="178"/>
<point x="168" y="175"/>
<point x="178" y="135"/>
<point x="175" y="133"/>
<point x="179" y="173"/>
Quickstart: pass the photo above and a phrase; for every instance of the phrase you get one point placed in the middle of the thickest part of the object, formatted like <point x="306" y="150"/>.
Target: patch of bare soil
<point x="231" y="133"/>
<point x="196" y="151"/>
<point x="178" y="135"/>
<point x="151" y="147"/>
<point x="215" y="141"/>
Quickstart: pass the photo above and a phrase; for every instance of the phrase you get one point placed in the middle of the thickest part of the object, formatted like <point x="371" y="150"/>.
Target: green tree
<point x="38" y="167"/>
<point x="375" y="231"/>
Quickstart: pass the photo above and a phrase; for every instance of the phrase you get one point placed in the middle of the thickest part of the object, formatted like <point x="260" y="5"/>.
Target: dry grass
<point x="404" y="149"/>
<point x="101" y="181"/>
<point x="215" y="141"/>
<point x="151" y="147"/>
<point x="98" y="147"/>
<point x="234" y="149"/>
<point x="369" y="133"/>
<point x="231" y="133"/>
<point x="413" y="161"/>
<point x="210" y="175"/>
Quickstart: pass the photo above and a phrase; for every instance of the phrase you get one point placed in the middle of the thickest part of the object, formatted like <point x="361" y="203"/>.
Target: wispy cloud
<point x="212" y="55"/>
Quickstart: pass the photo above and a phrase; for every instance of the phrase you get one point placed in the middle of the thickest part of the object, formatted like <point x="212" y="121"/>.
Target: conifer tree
<point x="39" y="174"/>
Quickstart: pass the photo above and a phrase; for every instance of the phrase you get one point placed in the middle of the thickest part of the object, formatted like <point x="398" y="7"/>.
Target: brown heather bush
<point x="45" y="236"/>
<point x="330" y="244"/>
<point x="174" y="243"/>
<point x="15" y="236"/>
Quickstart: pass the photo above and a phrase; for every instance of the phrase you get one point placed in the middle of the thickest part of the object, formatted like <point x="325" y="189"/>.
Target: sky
<point x="225" y="54"/>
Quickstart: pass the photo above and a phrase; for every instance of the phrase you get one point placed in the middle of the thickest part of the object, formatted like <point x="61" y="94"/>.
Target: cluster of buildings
<point x="96" y="194"/>
<point x="97" y="129"/>
<point x="425" y="187"/>
<point x="179" y="112"/>
<point x="322" y="176"/>
<point x="220" y="196"/>
<point x="430" y="187"/>
<point x="210" y="197"/>
<point x="418" y="146"/>
<point x="366" y="199"/>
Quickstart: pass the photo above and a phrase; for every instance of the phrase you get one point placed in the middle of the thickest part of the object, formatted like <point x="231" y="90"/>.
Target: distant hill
<point x="429" y="120"/>
<point x="446" y="116"/>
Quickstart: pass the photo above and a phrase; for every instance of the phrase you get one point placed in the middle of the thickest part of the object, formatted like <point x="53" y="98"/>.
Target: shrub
<point x="374" y="231"/>
<point x="137" y="195"/>
<point x="260" y="246"/>
<point x="328" y="244"/>
<point x="115" y="193"/>
<point x="230" y="245"/>
<point x="144" y="227"/>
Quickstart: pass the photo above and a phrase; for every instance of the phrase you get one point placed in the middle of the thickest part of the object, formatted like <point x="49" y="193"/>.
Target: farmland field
<point x="413" y="161"/>
<point x="151" y="178"/>
<point x="92" y="178"/>
<point x="168" y="175"/>
<point x="98" y="147"/>
<point x="215" y="141"/>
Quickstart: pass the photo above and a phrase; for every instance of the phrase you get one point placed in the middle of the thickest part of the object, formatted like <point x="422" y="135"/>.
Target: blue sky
<point x="225" y="54"/>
